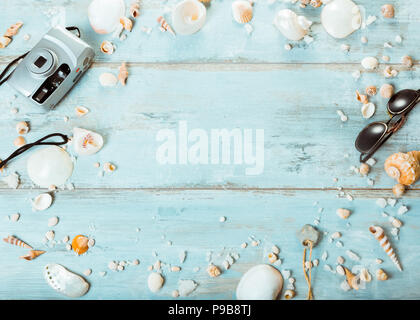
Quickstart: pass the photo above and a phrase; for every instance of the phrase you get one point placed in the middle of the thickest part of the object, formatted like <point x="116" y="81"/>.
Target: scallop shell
<point x="86" y="142"/>
<point x="17" y="242"/>
<point x="155" y="281"/>
<point x="104" y="15"/>
<point x="42" y="202"/>
<point x="292" y="26"/>
<point x="242" y="11"/>
<point x="80" y="244"/>
<point x="107" y="79"/>
<point x="368" y="110"/>
<point x="188" y="17"/>
<point x="33" y="254"/>
<point x="49" y="166"/>
<point x="123" y="74"/>
<point x="261" y="282"/>
<point x="370" y="63"/>
<point x="340" y="18"/>
<point x="65" y="281"/>
<point x="107" y="47"/>
<point x="379" y="235"/>
<point x="403" y="167"/>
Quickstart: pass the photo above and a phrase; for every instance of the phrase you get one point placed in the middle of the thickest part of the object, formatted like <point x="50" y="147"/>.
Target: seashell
<point x="188" y="17"/>
<point x="104" y="15"/>
<point x="22" y="127"/>
<point x="164" y="26"/>
<point x="19" y="141"/>
<point x="368" y="110"/>
<point x="50" y="235"/>
<point x="123" y="74"/>
<point x="261" y="282"/>
<point x="398" y="190"/>
<point x="340" y="18"/>
<point x="371" y="90"/>
<point x="53" y="221"/>
<point x="214" y="271"/>
<point x="289" y="294"/>
<point x="134" y="10"/>
<point x="343" y="213"/>
<point x="407" y="61"/>
<point x="386" y="91"/>
<point x="107" y="47"/>
<point x="42" y="202"/>
<point x="381" y="275"/>
<point x="272" y="257"/>
<point x="370" y="63"/>
<point x="292" y="26"/>
<point x="155" y="281"/>
<point x="107" y="79"/>
<point x="14" y="217"/>
<point x="379" y="234"/>
<point x="352" y="279"/>
<point x="4" y="42"/>
<point x="395" y="222"/>
<point x="242" y="11"/>
<point x="361" y="97"/>
<point x="364" y="169"/>
<point x="49" y="166"/>
<point x="126" y="23"/>
<point x="403" y="167"/>
<point x="80" y="244"/>
<point x="13" y="29"/>
<point x="387" y="11"/>
<point x="33" y="254"/>
<point x="81" y="111"/>
<point x="17" y="242"/>
<point x="186" y="287"/>
<point x="12" y="180"/>
<point x="86" y="142"/>
<point x="65" y="281"/>
<point x="109" y="167"/>
<point x="365" y="275"/>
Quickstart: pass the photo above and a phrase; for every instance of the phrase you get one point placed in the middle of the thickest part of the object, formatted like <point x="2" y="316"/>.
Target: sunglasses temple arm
<point x="366" y="156"/>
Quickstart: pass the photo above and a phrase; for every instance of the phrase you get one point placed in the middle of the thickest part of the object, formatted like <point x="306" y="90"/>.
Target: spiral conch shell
<point x="404" y="167"/>
<point x="379" y="234"/>
<point x="292" y="26"/>
<point x="17" y="242"/>
<point x="242" y="11"/>
<point x="32" y="254"/>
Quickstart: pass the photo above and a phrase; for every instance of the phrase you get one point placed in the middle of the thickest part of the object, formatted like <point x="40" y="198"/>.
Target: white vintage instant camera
<point x="52" y="67"/>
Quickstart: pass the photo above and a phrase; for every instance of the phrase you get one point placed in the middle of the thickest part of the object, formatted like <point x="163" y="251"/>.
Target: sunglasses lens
<point x="401" y="101"/>
<point x="369" y="136"/>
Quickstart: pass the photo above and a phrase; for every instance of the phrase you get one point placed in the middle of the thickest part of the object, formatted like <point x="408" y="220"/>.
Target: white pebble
<point x="50" y="235"/>
<point x="352" y="255"/>
<point x="340" y="260"/>
<point x="222" y="219"/>
<point x="339" y="244"/>
<point x="53" y="221"/>
<point x="324" y="255"/>
<point x="327" y="267"/>
<point x="112" y="265"/>
<point x="340" y="270"/>
<point x="14" y="217"/>
<point x="402" y="210"/>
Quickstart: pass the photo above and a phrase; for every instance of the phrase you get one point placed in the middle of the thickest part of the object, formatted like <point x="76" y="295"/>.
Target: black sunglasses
<point x="372" y="137"/>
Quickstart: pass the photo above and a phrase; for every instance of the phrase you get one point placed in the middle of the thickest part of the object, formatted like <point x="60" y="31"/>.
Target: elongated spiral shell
<point x="404" y="167"/>
<point x="379" y="234"/>
<point x="17" y="242"/>
<point x="164" y="26"/>
<point x="32" y="254"/>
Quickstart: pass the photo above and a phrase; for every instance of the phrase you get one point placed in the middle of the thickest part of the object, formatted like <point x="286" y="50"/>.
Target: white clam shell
<point x="42" y="202"/>
<point x="49" y="166"/>
<point x="108" y="79"/>
<point x="340" y="18"/>
<point x="242" y="11"/>
<point x="86" y="142"/>
<point x="155" y="281"/>
<point x="188" y="17"/>
<point x="292" y="26"/>
<point x="370" y="63"/>
<point x="368" y="110"/>
<point x="261" y="282"/>
<point x="104" y="15"/>
<point x="65" y="281"/>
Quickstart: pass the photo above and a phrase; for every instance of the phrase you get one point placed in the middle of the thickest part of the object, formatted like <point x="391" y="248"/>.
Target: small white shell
<point x="42" y="202"/>
<point x="107" y="79"/>
<point x="292" y="26"/>
<point x="86" y="142"/>
<point x="53" y="221"/>
<point x="242" y="11"/>
<point x="81" y="111"/>
<point x="343" y="213"/>
<point x="65" y="281"/>
<point x="365" y="275"/>
<point x="368" y="110"/>
<point x="188" y="17"/>
<point x="104" y="15"/>
<point x="261" y="282"/>
<point x="50" y="235"/>
<point x="370" y="63"/>
<point x="49" y="166"/>
<point x="340" y="18"/>
<point x="155" y="281"/>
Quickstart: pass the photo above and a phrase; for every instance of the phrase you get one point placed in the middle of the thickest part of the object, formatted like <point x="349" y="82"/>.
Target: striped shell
<point x="379" y="234"/>
<point x="17" y="242"/>
<point x="242" y="11"/>
<point x="404" y="167"/>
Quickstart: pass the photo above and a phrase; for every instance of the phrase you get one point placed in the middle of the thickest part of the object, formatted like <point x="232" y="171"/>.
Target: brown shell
<point x="135" y="10"/>
<point x="17" y="242"/>
<point x="404" y="167"/>
<point x="123" y="74"/>
<point x="33" y="254"/>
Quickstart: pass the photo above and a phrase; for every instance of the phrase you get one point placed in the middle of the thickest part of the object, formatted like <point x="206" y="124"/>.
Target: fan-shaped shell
<point x="292" y="26"/>
<point x="42" y="202"/>
<point x="242" y="11"/>
<point x="104" y="15"/>
<point x="403" y="167"/>
<point x="80" y="244"/>
<point x="261" y="282"/>
<point x="188" y="17"/>
<point x="49" y="166"/>
<point x="86" y="142"/>
<point x="340" y="18"/>
<point x="65" y="281"/>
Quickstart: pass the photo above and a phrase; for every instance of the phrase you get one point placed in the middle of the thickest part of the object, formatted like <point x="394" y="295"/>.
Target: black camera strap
<point x="4" y="78"/>
<point x="40" y="142"/>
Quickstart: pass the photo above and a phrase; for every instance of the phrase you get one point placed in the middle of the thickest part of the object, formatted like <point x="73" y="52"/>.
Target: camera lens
<point x="40" y="61"/>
